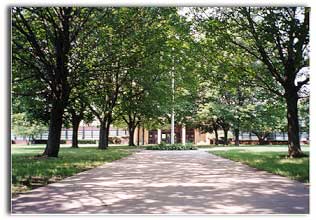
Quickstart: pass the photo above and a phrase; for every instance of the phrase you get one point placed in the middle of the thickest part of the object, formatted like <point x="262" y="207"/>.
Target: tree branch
<point x="263" y="53"/>
<point x="302" y="83"/>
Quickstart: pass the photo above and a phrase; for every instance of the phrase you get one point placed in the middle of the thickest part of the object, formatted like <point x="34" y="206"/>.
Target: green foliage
<point x="303" y="109"/>
<point x="230" y="65"/>
<point x="264" y="116"/>
<point x="164" y="146"/>
<point x="232" y="100"/>
<point x="46" y="60"/>
<point x="147" y="97"/>
<point x="87" y="141"/>
<point x="266" y="37"/>
<point x="274" y="162"/>
<point x="21" y="125"/>
<point x="124" y="67"/>
<point x="29" y="171"/>
<point x="258" y="47"/>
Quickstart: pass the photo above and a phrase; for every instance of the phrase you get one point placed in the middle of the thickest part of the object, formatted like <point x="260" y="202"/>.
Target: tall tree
<point x="44" y="41"/>
<point x="138" y="102"/>
<point x="278" y="38"/>
<point x="76" y="112"/>
<point x="126" y="38"/>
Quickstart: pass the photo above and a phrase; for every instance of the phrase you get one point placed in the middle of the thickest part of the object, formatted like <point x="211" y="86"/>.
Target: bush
<point x="87" y="141"/>
<point x="164" y="146"/>
<point x="115" y="140"/>
<point x="39" y="141"/>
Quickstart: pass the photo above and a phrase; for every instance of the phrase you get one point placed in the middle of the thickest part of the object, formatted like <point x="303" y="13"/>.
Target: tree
<point x="138" y="102"/>
<point x="278" y="38"/>
<point x="127" y="38"/>
<point x="222" y="102"/>
<point x="22" y="126"/>
<point x="264" y="116"/>
<point x="207" y="124"/>
<point x="225" y="85"/>
<point x="303" y="108"/>
<point x="147" y="96"/>
<point x="181" y="61"/>
<point x="221" y="117"/>
<point x="44" y="41"/>
<point x="76" y="111"/>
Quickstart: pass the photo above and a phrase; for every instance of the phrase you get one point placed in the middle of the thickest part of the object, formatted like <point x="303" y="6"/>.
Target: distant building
<point x="90" y="133"/>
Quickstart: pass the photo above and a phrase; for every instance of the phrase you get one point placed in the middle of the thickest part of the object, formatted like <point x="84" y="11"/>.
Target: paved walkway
<point x="169" y="182"/>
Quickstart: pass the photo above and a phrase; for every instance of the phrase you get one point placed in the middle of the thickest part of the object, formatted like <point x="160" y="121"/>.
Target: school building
<point x="89" y="133"/>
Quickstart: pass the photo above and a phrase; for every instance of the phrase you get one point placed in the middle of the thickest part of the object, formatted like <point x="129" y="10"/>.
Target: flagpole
<point x="172" y="113"/>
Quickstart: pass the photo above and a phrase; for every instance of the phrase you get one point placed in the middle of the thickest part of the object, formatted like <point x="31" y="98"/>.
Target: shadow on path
<point x="164" y="182"/>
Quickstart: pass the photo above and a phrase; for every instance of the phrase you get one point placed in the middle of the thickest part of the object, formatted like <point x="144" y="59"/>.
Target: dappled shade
<point x="157" y="182"/>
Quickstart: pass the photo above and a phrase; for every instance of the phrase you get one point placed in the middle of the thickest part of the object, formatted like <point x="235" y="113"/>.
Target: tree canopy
<point x="239" y="69"/>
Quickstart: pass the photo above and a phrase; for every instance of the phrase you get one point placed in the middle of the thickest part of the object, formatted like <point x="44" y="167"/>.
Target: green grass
<point x="271" y="161"/>
<point x="30" y="172"/>
<point x="252" y="147"/>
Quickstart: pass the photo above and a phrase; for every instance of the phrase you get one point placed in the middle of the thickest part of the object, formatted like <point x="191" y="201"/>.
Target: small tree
<point x="209" y="125"/>
<point x="264" y="117"/>
<point x="22" y="126"/>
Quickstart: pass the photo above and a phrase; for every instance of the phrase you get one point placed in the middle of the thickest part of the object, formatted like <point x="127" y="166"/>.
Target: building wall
<point x="139" y="134"/>
<point x="200" y="138"/>
<point x="84" y="133"/>
<point x="92" y="133"/>
<point x="246" y="137"/>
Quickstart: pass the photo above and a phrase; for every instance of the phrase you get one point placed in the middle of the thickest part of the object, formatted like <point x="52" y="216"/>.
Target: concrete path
<point x="169" y="182"/>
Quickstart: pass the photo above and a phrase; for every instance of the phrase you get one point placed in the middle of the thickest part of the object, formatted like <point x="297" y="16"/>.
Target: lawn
<point x="269" y="158"/>
<point x="29" y="172"/>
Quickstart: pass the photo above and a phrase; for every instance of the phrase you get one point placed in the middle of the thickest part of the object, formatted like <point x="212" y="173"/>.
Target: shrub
<point x="39" y="141"/>
<point x="87" y="141"/>
<point x="115" y="140"/>
<point x="164" y="146"/>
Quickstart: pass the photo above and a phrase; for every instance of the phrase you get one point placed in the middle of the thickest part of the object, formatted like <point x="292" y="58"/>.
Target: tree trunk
<point x="143" y="134"/>
<point x="75" y="127"/>
<point x="107" y="134"/>
<point x="225" y="136"/>
<point x="131" y="131"/>
<point x="32" y="139"/>
<point x="261" y="140"/>
<point x="102" y="135"/>
<point x="216" y="136"/>
<point x="236" y="137"/>
<point x="138" y="135"/>
<point x="261" y="136"/>
<point x="294" y="148"/>
<point x="54" y="133"/>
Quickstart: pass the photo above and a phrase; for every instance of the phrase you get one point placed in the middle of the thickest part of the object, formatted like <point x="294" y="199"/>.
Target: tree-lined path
<point x="164" y="182"/>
